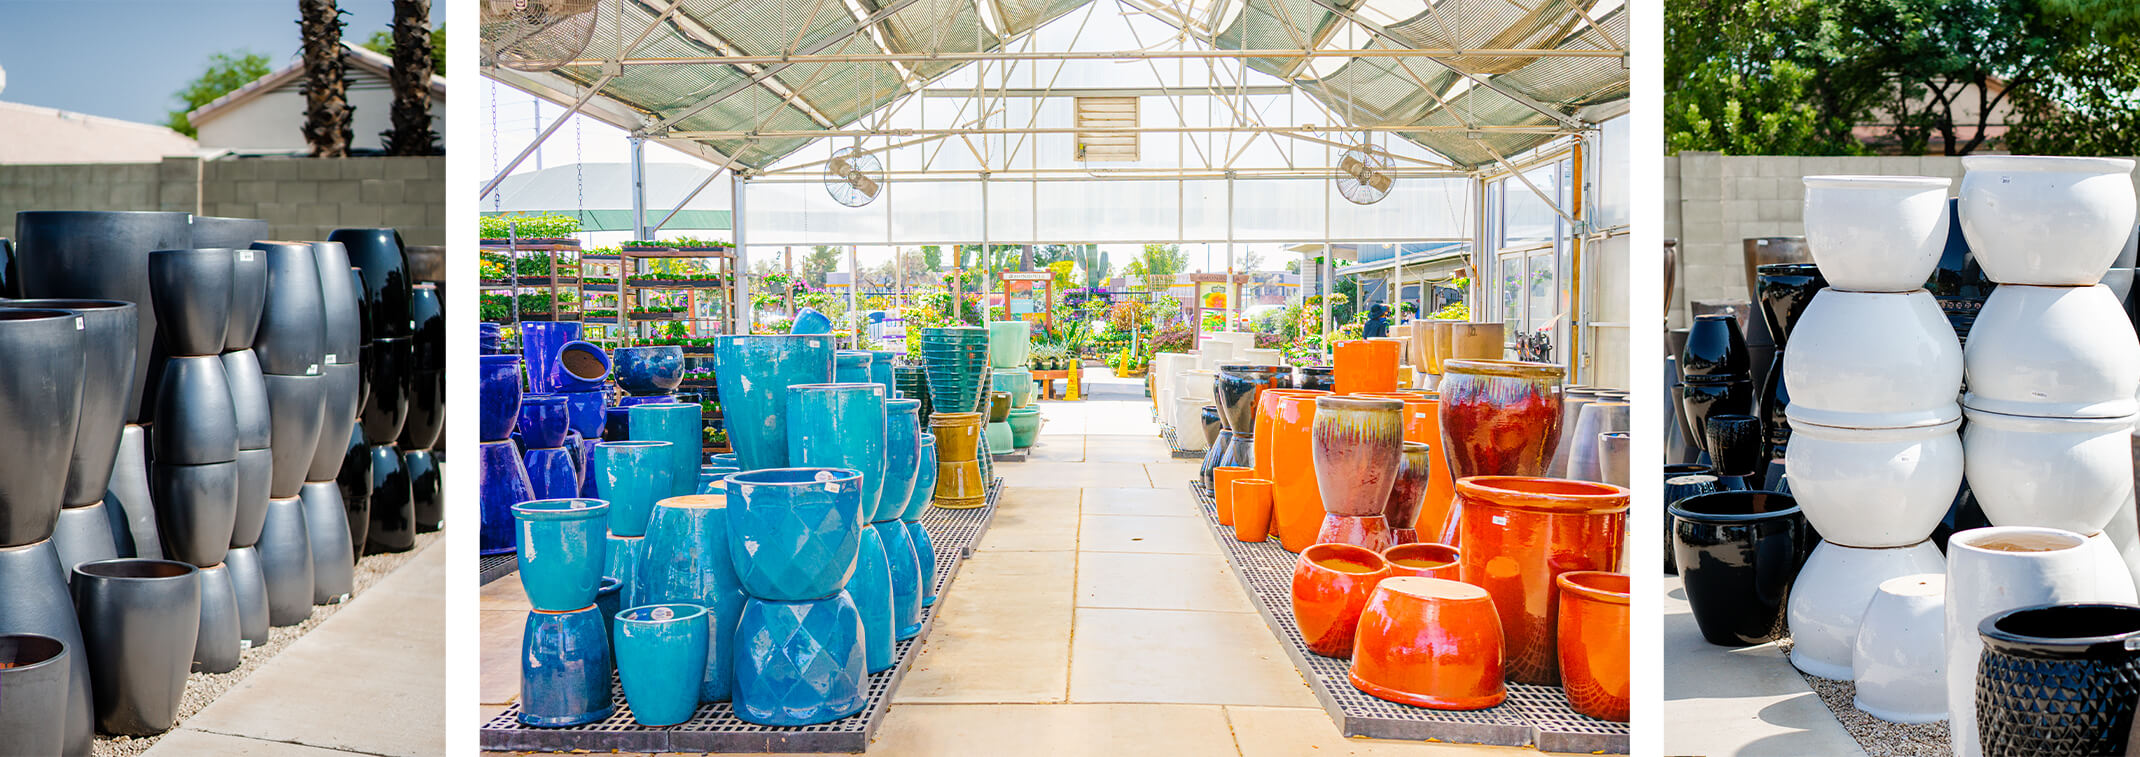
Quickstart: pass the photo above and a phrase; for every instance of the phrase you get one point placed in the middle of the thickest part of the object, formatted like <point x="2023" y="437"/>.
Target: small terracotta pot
<point x="1222" y="479"/>
<point x="1331" y="585"/>
<point x="1366" y="365"/>
<point x="1499" y="417"/>
<point x="1429" y="642"/>
<point x="1519" y="533"/>
<point x="1369" y="531"/>
<point x="1593" y="642"/>
<point x="1423" y="559"/>
<point x="1297" y="501"/>
<point x="1251" y="509"/>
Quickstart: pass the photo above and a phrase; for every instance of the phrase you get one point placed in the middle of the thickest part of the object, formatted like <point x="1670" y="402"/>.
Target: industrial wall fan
<point x="536" y="35"/>
<point x="1363" y="176"/>
<point x="853" y="177"/>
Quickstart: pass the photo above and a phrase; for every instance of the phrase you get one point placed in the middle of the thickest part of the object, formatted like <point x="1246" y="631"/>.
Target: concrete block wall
<point x="301" y="198"/>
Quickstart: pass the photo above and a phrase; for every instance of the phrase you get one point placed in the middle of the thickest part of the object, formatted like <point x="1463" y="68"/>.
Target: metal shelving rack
<point x="717" y="287"/>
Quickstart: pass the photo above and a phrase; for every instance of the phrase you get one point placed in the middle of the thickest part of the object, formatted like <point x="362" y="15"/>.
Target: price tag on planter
<point x="312" y="370"/>
<point x="245" y="255"/>
<point x="663" y="613"/>
<point x="1500" y="520"/>
<point x="78" y="323"/>
<point x="245" y="645"/>
<point x="331" y="360"/>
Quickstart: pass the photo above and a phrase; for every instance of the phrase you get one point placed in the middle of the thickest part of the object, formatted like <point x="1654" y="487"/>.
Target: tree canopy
<point x="382" y="42"/>
<point x="226" y="72"/>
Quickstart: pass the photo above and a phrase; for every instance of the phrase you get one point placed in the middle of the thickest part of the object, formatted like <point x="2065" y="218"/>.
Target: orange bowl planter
<point x="1423" y="560"/>
<point x="1593" y="642"/>
<point x="1366" y="365"/>
<point x="1222" y="478"/>
<point x="1251" y="509"/>
<point x="1331" y="585"/>
<point x="1430" y="642"/>
<point x="1519" y="534"/>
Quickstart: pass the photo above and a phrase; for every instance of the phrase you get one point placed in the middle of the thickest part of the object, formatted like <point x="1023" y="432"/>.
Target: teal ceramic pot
<point x="753" y="374"/>
<point x="622" y="561"/>
<point x="609" y="599"/>
<point x="794" y="532"/>
<point x="710" y="478"/>
<point x="851" y="366"/>
<point x="562" y="551"/>
<point x="687" y="562"/>
<point x="808" y="321"/>
<point x="564" y="668"/>
<point x="550" y="473"/>
<point x="925" y="561"/>
<point x="880" y="371"/>
<point x="502" y="481"/>
<point x="660" y="648"/>
<point x="902" y="458"/>
<point x="1025" y="426"/>
<point x="681" y="425"/>
<point x="841" y="426"/>
<point x="631" y="476"/>
<point x="540" y="343"/>
<point x="1017" y="381"/>
<point x="871" y="588"/>
<point x="725" y="460"/>
<point x="1010" y="343"/>
<point x="906" y="578"/>
<point x="999" y="437"/>
<point x="544" y="419"/>
<point x="924" y="480"/>
<point x="800" y="663"/>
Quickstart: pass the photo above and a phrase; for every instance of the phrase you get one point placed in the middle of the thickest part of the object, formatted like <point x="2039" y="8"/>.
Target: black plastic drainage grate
<point x="1532" y="716"/>
<point x="499" y="566"/>
<point x="715" y="728"/>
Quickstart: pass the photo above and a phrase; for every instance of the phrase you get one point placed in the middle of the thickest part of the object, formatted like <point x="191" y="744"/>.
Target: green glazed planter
<point x="1025" y="427"/>
<point x="1010" y="343"/>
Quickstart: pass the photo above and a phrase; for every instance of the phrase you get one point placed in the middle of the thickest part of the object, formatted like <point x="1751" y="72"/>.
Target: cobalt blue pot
<point x="906" y="578"/>
<point x="850" y="366"/>
<point x="880" y="371"/>
<point x="550" y="473"/>
<point x="609" y="599"/>
<point x="617" y="424"/>
<point x="902" y="458"/>
<point x="490" y="339"/>
<point x="632" y="476"/>
<point x="871" y="588"/>
<point x="562" y="551"/>
<point x="544" y="419"/>
<point x="499" y="399"/>
<point x="794" y="532"/>
<point x="660" y="649"/>
<point x="681" y="426"/>
<point x="810" y="322"/>
<point x="583" y="453"/>
<point x="564" y="668"/>
<point x="581" y="367"/>
<point x="622" y="560"/>
<point x="800" y="663"/>
<point x="753" y="374"/>
<point x="925" y="561"/>
<point x="540" y="343"/>
<point x="687" y="561"/>
<point x="586" y="413"/>
<point x="642" y="371"/>
<point x="841" y="426"/>
<point x="502" y="480"/>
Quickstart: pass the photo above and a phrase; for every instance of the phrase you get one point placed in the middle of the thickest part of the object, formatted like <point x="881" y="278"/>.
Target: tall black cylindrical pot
<point x="40" y="410"/>
<point x="256" y="469"/>
<point x="393" y="505"/>
<point x="427" y="386"/>
<point x="192" y="289"/>
<point x="338" y="416"/>
<point x="36" y="601"/>
<point x="231" y="233"/>
<point x="84" y="534"/>
<point x="1738" y="552"/>
<point x="197" y="421"/>
<point x="33" y="672"/>
<point x="2058" y="680"/>
<point x="250" y="585"/>
<point x="291" y="340"/>
<point x="389" y="375"/>
<point x="378" y="253"/>
<point x="140" y="620"/>
<point x="196" y="508"/>
<point x="219" y="642"/>
<point x="286" y="562"/>
<point x="333" y="557"/>
<point x="109" y="328"/>
<point x="425" y="489"/>
<point x="297" y="411"/>
<point x="129" y="492"/>
<point x="1785" y="290"/>
<point x="340" y="294"/>
<point x="1715" y="350"/>
<point x="101" y="255"/>
<point x="355" y="482"/>
<point x="248" y="296"/>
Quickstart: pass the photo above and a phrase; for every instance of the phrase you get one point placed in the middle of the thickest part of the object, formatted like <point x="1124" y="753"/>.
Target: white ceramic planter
<point x="2052" y="566"/>
<point x="1189" y="424"/>
<point x="2043" y="220"/>
<point x="2116" y="578"/>
<point x="1212" y="353"/>
<point x="2069" y="473"/>
<point x="1875" y="233"/>
<point x="1882" y="487"/>
<point x="1829" y="596"/>
<point x="1900" y="659"/>
<point x="1262" y="357"/>
<point x="2124" y="533"/>
<point x="1242" y="341"/>
<point x="2065" y="352"/>
<point x="1195" y="386"/>
<point x="1166" y="372"/>
<point x="1873" y="360"/>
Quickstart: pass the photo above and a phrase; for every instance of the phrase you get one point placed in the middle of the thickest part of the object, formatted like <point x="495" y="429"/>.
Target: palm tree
<point x="411" y="79"/>
<point x="327" y="111"/>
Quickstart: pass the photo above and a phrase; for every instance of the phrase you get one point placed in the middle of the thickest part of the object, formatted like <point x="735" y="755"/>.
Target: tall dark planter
<point x="427" y="385"/>
<point x="101" y="255"/>
<point x="286" y="560"/>
<point x="355" y="481"/>
<point x="1715" y="350"/>
<point x="10" y="274"/>
<point x="297" y="412"/>
<point x="334" y="559"/>
<point x="378" y="253"/>
<point x="33" y="671"/>
<point x="109" y="331"/>
<point x="1785" y="290"/>
<point x="140" y="620"/>
<point x="37" y="601"/>
<point x="1238" y="388"/>
<point x="216" y="646"/>
<point x="291" y="339"/>
<point x="196" y="509"/>
<point x="425" y="489"/>
<point x="2058" y="680"/>
<point x="250" y="585"/>
<point x="393" y="506"/>
<point x="40" y="411"/>
<point x="199" y="422"/>
<point x="1738" y="552"/>
<point x="388" y="374"/>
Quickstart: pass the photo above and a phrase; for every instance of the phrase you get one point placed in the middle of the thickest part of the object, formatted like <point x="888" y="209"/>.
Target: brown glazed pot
<point x="1519" y="534"/>
<point x="1415" y="467"/>
<point x="1499" y="417"/>
<point x="1357" y="443"/>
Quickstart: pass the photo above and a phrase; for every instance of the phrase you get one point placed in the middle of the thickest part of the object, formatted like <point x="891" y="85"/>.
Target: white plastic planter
<point x="2067" y="473"/>
<point x="2054" y="568"/>
<point x="2044" y="220"/>
<point x="1873" y="360"/>
<point x="1829" y="597"/>
<point x="1881" y="487"/>
<point x="2064" y="352"/>
<point x="1900" y="659"/>
<point x="1875" y="233"/>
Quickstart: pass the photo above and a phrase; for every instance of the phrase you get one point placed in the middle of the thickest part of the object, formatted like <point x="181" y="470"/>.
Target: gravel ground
<point x="204" y="688"/>
<point x="1877" y="737"/>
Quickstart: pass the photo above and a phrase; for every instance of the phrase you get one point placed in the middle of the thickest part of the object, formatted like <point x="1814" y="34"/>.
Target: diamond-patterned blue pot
<point x="902" y="455"/>
<point x="871" y="588"/>
<point x="851" y="366"/>
<point x="753" y="374"/>
<point x="621" y="562"/>
<point x="906" y="578"/>
<point x="632" y="476"/>
<point x="2058" y="680"/>
<point x="794" y="532"/>
<point x="550" y="472"/>
<point x="564" y="668"/>
<point x="562" y="551"/>
<point x="687" y="562"/>
<point x="660" y="648"/>
<point x="587" y="412"/>
<point x="543" y="420"/>
<point x="682" y="426"/>
<point x="800" y="663"/>
<point x="502" y="480"/>
<point x="840" y="426"/>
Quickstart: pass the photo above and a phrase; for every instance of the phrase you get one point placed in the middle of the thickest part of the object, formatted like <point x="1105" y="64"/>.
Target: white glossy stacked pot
<point x="1189" y="431"/>
<point x="1166" y="373"/>
<point x="1874" y="370"/>
<point x="1194" y="391"/>
<point x="1212" y="352"/>
<point x="1261" y="357"/>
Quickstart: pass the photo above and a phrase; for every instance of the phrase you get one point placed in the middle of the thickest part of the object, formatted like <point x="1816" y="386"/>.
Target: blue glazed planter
<point x="880" y="371"/>
<point x="540" y="341"/>
<point x="753" y="374"/>
<point x="925" y="560"/>
<point x="562" y="551"/>
<point x="871" y="588"/>
<point x="660" y="649"/>
<point x="809" y="322"/>
<point x="851" y="366"/>
<point x="902" y="458"/>
<point x="622" y="560"/>
<point x="550" y="473"/>
<point x="609" y="599"/>
<point x="587" y="413"/>
<point x="924" y="481"/>
<point x="841" y="426"/>
<point x="581" y="367"/>
<point x="794" y="532"/>
<point x="488" y="339"/>
<point x="651" y="399"/>
<point x="687" y="561"/>
<point x="498" y="400"/>
<point x="544" y="419"/>
<point x="709" y="478"/>
<point x="632" y="476"/>
<point x="680" y="425"/>
<point x="564" y="669"/>
<point x="642" y="371"/>
<point x="724" y="459"/>
<point x="503" y="483"/>
<point x="906" y="578"/>
<point x="617" y="423"/>
<point x="800" y="663"/>
<point x="584" y="454"/>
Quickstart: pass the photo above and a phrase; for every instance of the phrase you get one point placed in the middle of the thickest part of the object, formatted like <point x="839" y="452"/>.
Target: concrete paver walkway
<point x="1742" y="701"/>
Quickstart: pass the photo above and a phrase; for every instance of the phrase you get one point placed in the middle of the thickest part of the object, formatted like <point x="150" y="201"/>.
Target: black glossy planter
<point x="140" y="621"/>
<point x="37" y="601"/>
<point x="292" y="336"/>
<point x="100" y="255"/>
<point x="327" y="529"/>
<point x="248" y="295"/>
<point x="10" y="274"/>
<point x="33" y="672"/>
<point x="1715" y="350"/>
<point x="1959" y="284"/>
<point x="1683" y="480"/>
<point x="393" y="504"/>
<point x="192" y="295"/>
<point x="196" y="507"/>
<point x="427" y="378"/>
<point x="231" y="233"/>
<point x="297" y="409"/>
<point x="340" y="327"/>
<point x="84" y="534"/>
<point x="1735" y="444"/>
<point x="1699" y="401"/>
<point x="1238" y="387"/>
<point x="130" y="493"/>
<point x="1738" y="552"/>
<point x="197" y="421"/>
<point x="109" y="331"/>
<point x="286" y="562"/>
<point x="250" y="585"/>
<point x="338" y="416"/>
<point x="364" y="340"/>
<point x="1316" y="377"/>
<point x="40" y="410"/>
<point x="1785" y="290"/>
<point x="388" y="372"/>
<point x="378" y="252"/>
<point x="355" y="481"/>
<point x="2058" y="680"/>
<point x="248" y="397"/>
<point x="425" y="489"/>
<point x="256" y="473"/>
<point x="217" y="645"/>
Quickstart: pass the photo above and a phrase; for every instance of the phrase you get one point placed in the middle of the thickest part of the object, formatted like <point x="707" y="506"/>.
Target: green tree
<point x="932" y="258"/>
<point x="382" y="42"/>
<point x="1158" y="260"/>
<point x="226" y="72"/>
<point x="1753" y="77"/>
<point x="819" y="261"/>
<point x="2088" y="101"/>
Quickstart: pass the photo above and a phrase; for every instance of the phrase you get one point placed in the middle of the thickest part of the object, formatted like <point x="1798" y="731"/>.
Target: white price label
<point x="78" y="325"/>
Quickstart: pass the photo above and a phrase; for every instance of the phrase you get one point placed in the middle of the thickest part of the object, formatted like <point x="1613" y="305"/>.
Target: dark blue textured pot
<point x="902" y="458"/>
<point x="562" y="551"/>
<point x="623" y="559"/>
<point x="841" y="426"/>
<point x="851" y="366"/>
<point x="499" y="400"/>
<point x="631" y="476"/>
<point x="643" y="371"/>
<point x="540" y="342"/>
<point x="503" y="483"/>
<point x="925" y="559"/>
<point x="681" y="426"/>
<point x="687" y="561"/>
<point x="800" y="663"/>
<point x="587" y="412"/>
<point x="753" y="374"/>
<point x="2058" y="680"/>
<point x="581" y="367"/>
<point x="544" y="419"/>
<point x="906" y="578"/>
<point x="617" y="424"/>
<point x="871" y="588"/>
<point x="660" y="649"/>
<point x="810" y="322"/>
<point x="564" y="668"/>
<point x="794" y="532"/>
<point x="550" y="473"/>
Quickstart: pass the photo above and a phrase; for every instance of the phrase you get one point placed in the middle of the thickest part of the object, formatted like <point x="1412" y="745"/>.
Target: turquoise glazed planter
<point x="564" y="668"/>
<point x="498" y="398"/>
<point x="906" y="578"/>
<point x="753" y="374"/>
<point x="1025" y="427"/>
<point x="871" y="588"/>
<point x="800" y="663"/>
<point x="631" y="476"/>
<point x="623" y="561"/>
<point x="808" y="321"/>
<point x="999" y="437"/>
<point x="880" y="371"/>
<point x="851" y="366"/>
<point x="544" y="419"/>
<point x="540" y="342"/>
<point x="646" y="371"/>
<point x="550" y="472"/>
<point x="1017" y="381"/>
<point x="724" y="459"/>
<point x="924" y="560"/>
<point x="794" y="532"/>
<point x="709" y="478"/>
<point x="687" y="562"/>
<point x="502" y="483"/>
<point x="841" y="426"/>
<point x="902" y="458"/>
<point x="561" y="551"/>
<point x="924" y="481"/>
<point x="660" y="650"/>
<point x="681" y="425"/>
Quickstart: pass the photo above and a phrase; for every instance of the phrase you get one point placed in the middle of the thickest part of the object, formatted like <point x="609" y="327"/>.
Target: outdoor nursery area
<point x="936" y="376"/>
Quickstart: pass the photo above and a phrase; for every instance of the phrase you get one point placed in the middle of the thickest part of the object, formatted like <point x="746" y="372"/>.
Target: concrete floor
<point x="1745" y="701"/>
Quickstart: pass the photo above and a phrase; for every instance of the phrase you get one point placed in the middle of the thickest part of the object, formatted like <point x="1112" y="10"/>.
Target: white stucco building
<point x="268" y="115"/>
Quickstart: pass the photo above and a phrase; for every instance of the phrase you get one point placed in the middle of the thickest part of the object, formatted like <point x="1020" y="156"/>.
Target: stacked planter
<point x="796" y="535"/>
<point x="424" y="434"/>
<point x="389" y="365"/>
<point x="955" y="358"/>
<point x="543" y="429"/>
<point x="256" y="463"/>
<point x="502" y="474"/>
<point x="307" y="497"/>
<point x="565" y="663"/>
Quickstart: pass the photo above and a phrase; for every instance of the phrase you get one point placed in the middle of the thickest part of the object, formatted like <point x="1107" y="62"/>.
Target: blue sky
<point x="127" y="58"/>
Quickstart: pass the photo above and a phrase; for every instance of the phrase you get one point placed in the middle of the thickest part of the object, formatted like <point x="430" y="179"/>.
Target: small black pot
<point x="256" y="478"/>
<point x="389" y="373"/>
<point x="217" y="646"/>
<point x="425" y="489"/>
<point x="84" y="534"/>
<point x="248" y="397"/>
<point x="36" y="601"/>
<point x="250" y="586"/>
<point x="1738" y="552"/>
<point x="140" y="619"/>
<point x="337" y="417"/>
<point x="341" y="330"/>
<point x="231" y="233"/>
<point x="1322" y="377"/>
<point x="1700" y="400"/>
<point x="101" y="255"/>
<point x="1734" y="444"/>
<point x="33" y="671"/>
<point x="40" y="410"/>
<point x="196" y="507"/>
<point x="1683" y="480"/>
<point x="130" y="494"/>
<point x="292" y="337"/>
<point x="248" y="295"/>
<point x="296" y="407"/>
<point x="109" y="331"/>
<point x="197" y="420"/>
<point x="334" y="560"/>
<point x="286" y="561"/>
<point x="355" y="481"/>
<point x="378" y="252"/>
<point x="191" y="290"/>
<point x="393" y="505"/>
<point x="1715" y="350"/>
<point x="2058" y="680"/>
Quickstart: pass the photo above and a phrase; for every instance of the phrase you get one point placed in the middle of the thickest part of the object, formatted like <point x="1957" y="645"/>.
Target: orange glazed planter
<point x="1424" y="560"/>
<point x="1593" y="642"/>
<point x="1252" y="509"/>
<point x="1499" y="417"/>
<point x="1296" y="501"/>
<point x="1266" y="406"/>
<point x="1222" y="478"/>
<point x="1366" y="365"/>
<point x="1331" y="585"/>
<point x="1520" y="533"/>
<point x="1429" y="642"/>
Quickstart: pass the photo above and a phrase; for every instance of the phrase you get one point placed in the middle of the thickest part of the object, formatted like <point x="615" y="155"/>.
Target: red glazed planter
<point x="1331" y="585"/>
<point x="1367" y="531"/>
<point x="1593" y="642"/>
<point x="1401" y="511"/>
<point x="1366" y="365"/>
<point x="1424" y="560"/>
<point x="1519" y="533"/>
<point x="1429" y="642"/>
<point x="1499" y="417"/>
<point x="1222" y="478"/>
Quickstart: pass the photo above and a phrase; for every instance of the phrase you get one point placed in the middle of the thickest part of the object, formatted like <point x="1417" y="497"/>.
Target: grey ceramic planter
<point x="255" y="469"/>
<point x="250" y="585"/>
<point x="33" y="671"/>
<point x="197" y="421"/>
<point x="109" y="331"/>
<point x="101" y="255"/>
<point x="248" y="397"/>
<point x="84" y="534"/>
<point x="340" y="330"/>
<point x="40" y="410"/>
<point x="191" y="290"/>
<point x="219" y="231"/>
<point x="297" y="413"/>
<point x="37" y="602"/>
<point x="217" y="645"/>
<point x="338" y="414"/>
<point x="248" y="296"/>
<point x="142" y="618"/>
<point x="196" y="507"/>
<point x="286" y="561"/>
<point x="291" y="340"/>
<point x="129" y="491"/>
<point x="327" y="531"/>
